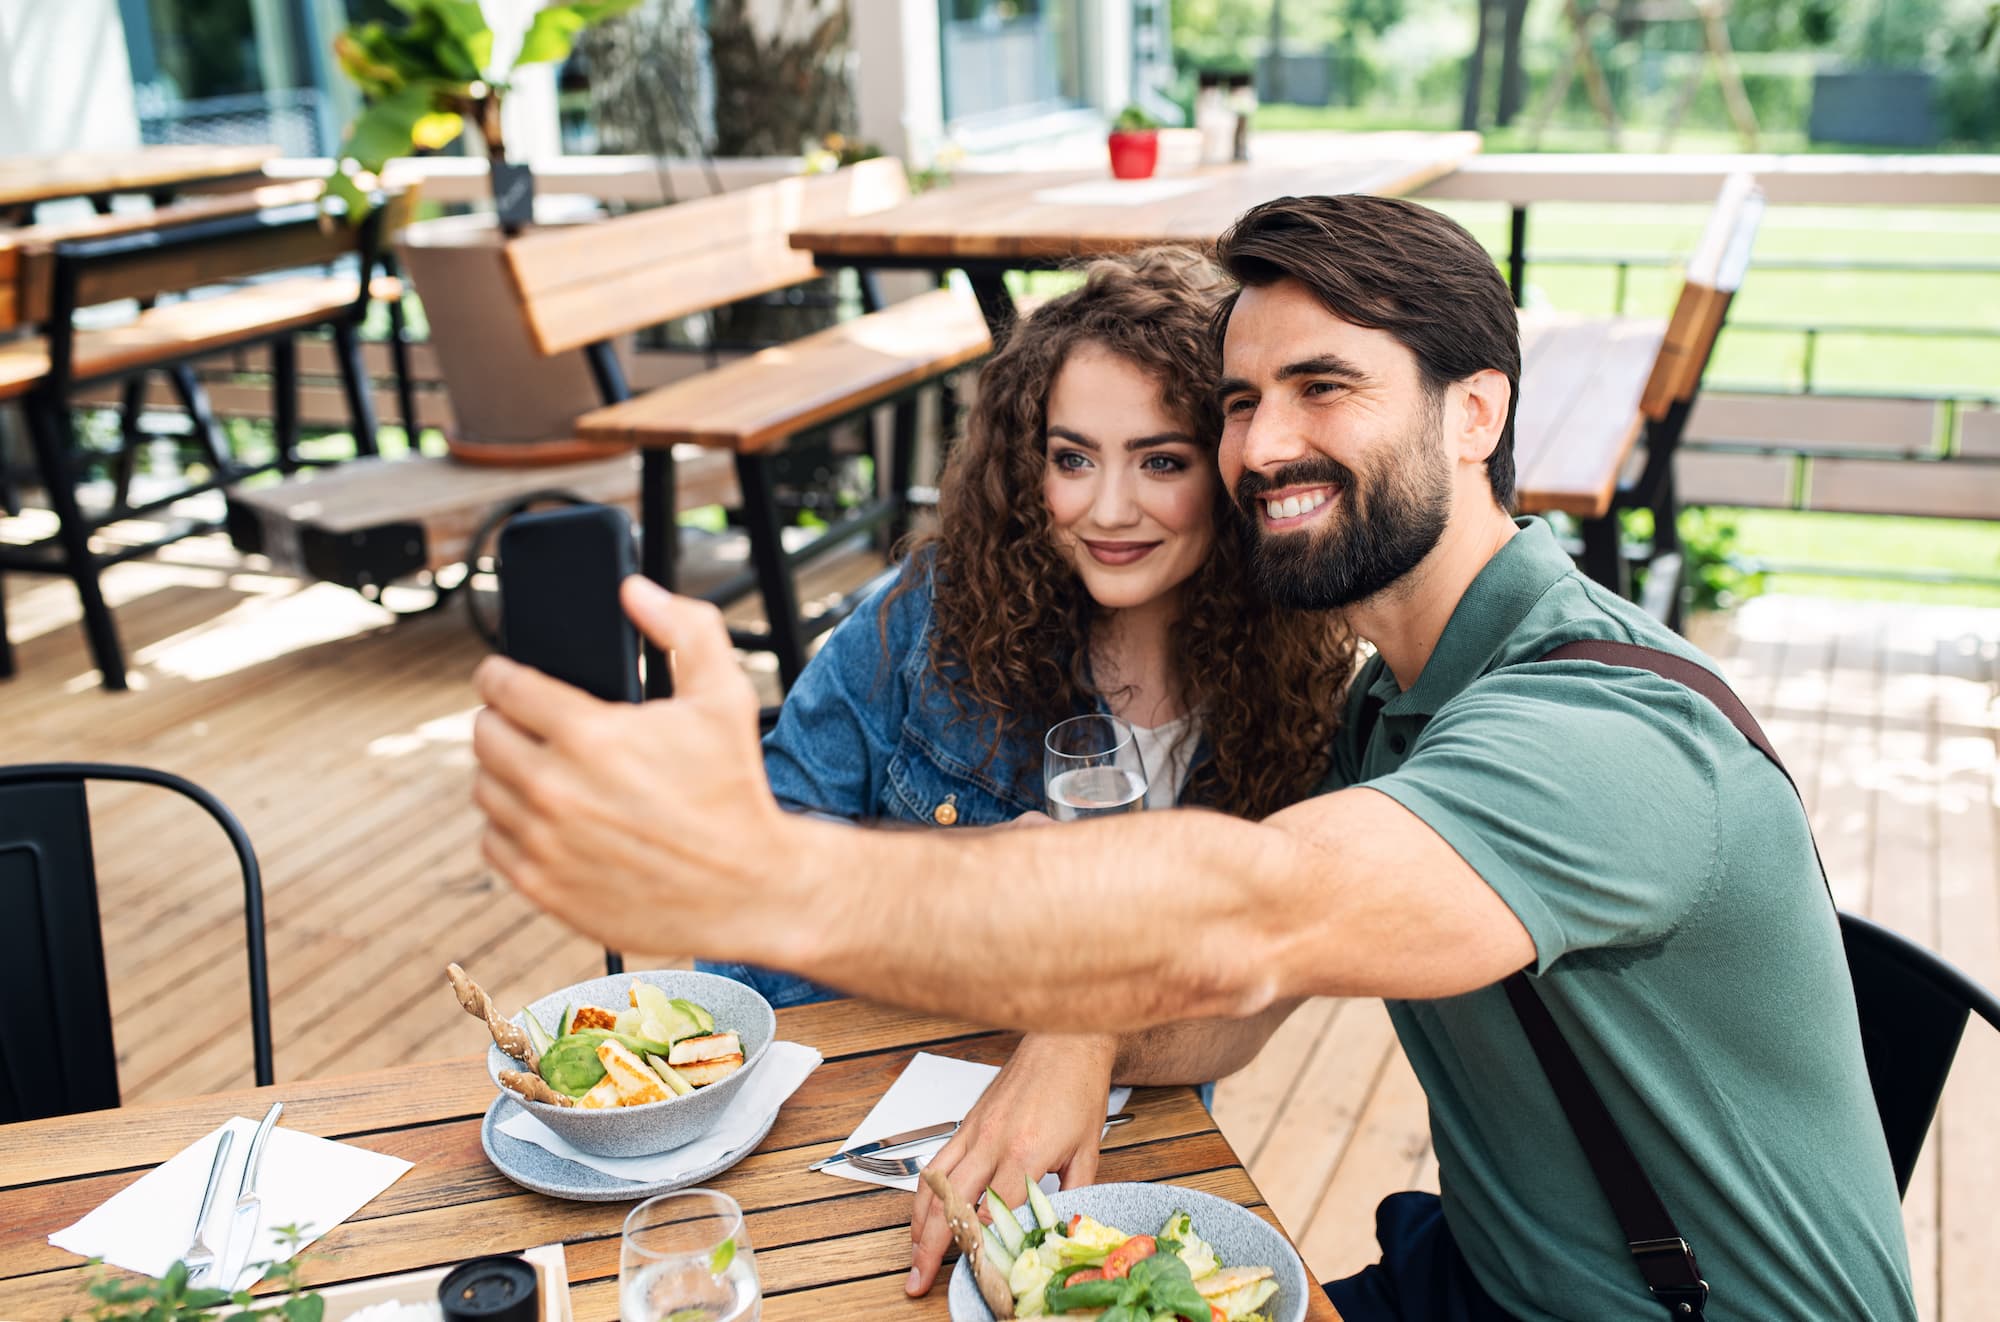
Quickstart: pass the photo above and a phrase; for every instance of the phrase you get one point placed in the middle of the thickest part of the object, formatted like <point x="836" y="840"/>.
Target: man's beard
<point x="1385" y="526"/>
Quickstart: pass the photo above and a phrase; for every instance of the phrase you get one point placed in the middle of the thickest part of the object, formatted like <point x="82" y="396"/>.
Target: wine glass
<point x="684" y="1257"/>
<point x="1091" y="768"/>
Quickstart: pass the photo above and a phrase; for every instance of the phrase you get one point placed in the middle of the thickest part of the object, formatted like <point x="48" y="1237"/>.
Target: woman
<point x="1085" y="561"/>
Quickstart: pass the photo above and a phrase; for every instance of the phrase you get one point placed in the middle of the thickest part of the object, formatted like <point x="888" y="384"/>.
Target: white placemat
<point x="784" y="1067"/>
<point x="1116" y="192"/>
<point x="312" y="1183"/>
<point x="930" y="1090"/>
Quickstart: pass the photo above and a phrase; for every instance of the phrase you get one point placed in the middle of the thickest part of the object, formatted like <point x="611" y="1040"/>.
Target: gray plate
<point x="1241" y="1239"/>
<point x="536" y="1168"/>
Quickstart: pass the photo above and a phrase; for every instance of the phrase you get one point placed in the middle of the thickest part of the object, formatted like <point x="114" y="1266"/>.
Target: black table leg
<point x="658" y="546"/>
<point x="995" y="303"/>
<point x="1604" y="553"/>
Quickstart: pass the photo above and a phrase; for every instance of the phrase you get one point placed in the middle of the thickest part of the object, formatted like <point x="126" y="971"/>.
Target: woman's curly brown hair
<point x="1011" y="618"/>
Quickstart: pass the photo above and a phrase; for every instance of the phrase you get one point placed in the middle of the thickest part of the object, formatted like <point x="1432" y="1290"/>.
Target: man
<point x="1601" y="827"/>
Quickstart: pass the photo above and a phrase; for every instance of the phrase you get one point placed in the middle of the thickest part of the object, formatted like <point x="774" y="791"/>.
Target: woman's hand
<point x="1044" y="1113"/>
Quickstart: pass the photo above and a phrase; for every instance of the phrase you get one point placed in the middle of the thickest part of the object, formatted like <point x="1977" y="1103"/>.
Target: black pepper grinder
<point x="496" y="1289"/>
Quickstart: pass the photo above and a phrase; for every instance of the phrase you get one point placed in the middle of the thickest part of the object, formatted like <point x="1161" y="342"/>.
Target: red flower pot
<point x="1134" y="155"/>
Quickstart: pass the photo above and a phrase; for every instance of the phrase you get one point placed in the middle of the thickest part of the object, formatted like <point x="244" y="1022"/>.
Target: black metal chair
<point x="56" y="1051"/>
<point x="1913" y="1008"/>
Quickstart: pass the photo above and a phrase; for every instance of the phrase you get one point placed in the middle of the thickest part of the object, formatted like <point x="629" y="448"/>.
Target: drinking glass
<point x="684" y="1257"/>
<point x="1091" y="768"/>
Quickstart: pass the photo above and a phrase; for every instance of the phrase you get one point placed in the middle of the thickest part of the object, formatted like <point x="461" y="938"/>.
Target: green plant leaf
<point x="464" y="22"/>
<point x="551" y="36"/>
<point x="385" y="129"/>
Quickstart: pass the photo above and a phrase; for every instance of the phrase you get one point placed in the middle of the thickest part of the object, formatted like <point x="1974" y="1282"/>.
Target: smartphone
<point x="559" y="612"/>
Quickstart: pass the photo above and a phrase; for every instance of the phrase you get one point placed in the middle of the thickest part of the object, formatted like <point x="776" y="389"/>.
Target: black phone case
<point x="559" y="612"/>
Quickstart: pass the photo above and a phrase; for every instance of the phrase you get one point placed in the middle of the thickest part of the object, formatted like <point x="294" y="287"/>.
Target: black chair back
<point x="1913" y="1008"/>
<point x="56" y="1054"/>
<point x="56" y="1049"/>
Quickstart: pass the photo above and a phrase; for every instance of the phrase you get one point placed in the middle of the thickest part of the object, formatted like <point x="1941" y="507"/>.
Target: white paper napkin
<point x="777" y="1076"/>
<point x="1116" y="192"/>
<point x="313" y="1183"/>
<point x="930" y="1090"/>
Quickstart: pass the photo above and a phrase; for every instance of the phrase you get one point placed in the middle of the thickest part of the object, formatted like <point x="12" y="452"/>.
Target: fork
<point x="200" y="1258"/>
<point x="898" y="1167"/>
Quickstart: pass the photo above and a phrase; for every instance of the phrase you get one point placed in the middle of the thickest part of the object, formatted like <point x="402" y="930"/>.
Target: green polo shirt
<point x="1684" y="944"/>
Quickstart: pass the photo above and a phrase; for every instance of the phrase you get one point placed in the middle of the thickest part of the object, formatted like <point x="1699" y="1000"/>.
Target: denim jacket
<point x="868" y="732"/>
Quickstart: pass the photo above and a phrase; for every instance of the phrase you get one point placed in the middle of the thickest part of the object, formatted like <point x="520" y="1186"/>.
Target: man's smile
<point x="1294" y="507"/>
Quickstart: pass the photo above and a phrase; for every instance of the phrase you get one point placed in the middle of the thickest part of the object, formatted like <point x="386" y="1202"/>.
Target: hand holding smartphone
<point x="559" y="610"/>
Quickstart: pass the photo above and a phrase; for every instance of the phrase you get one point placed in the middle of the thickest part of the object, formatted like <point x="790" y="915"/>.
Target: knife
<point x="248" y="1216"/>
<point x="901" y="1140"/>
<point x="909" y="1136"/>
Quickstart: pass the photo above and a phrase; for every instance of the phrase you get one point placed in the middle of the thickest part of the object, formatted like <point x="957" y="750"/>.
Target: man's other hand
<point x="1045" y="1112"/>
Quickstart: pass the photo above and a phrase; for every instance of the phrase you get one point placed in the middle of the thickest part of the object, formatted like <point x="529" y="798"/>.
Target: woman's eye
<point x="1164" y="463"/>
<point x="1070" y="460"/>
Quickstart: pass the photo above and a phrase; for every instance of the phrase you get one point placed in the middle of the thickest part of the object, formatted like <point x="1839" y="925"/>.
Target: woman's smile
<point x="1118" y="553"/>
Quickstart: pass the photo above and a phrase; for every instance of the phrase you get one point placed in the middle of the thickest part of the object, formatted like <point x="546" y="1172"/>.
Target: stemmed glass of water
<point x="1091" y="768"/>
<point x="684" y="1257"/>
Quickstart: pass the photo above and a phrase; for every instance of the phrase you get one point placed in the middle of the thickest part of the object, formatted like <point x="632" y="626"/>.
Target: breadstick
<point x="970" y="1234"/>
<point x="507" y="1035"/>
<point x="533" y="1087"/>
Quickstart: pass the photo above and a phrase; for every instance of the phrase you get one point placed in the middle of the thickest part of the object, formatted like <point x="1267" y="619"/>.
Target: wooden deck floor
<point x="340" y="737"/>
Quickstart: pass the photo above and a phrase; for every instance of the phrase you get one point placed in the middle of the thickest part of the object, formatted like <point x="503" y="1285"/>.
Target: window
<point x="1007" y="58"/>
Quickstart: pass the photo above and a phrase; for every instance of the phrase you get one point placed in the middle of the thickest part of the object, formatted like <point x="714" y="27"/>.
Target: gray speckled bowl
<point x="639" y="1131"/>
<point x="1241" y="1239"/>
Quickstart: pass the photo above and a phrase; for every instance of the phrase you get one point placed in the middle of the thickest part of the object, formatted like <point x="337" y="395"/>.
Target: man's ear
<point x="1481" y="414"/>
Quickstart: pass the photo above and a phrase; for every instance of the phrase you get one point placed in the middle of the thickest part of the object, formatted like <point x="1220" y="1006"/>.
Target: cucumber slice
<point x="997" y="1250"/>
<point x="1005" y="1223"/>
<point x="670" y="1076"/>
<point x="562" y="1025"/>
<point x="1045" y="1212"/>
<point x="537" y="1035"/>
<point x="702" y="1018"/>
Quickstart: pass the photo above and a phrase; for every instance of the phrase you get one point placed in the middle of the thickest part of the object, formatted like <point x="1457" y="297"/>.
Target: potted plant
<point x="1135" y="144"/>
<point x="423" y="80"/>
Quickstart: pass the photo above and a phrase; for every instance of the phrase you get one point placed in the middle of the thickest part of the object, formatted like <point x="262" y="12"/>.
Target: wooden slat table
<point x="28" y="179"/>
<point x="987" y="225"/>
<point x="826" y="1247"/>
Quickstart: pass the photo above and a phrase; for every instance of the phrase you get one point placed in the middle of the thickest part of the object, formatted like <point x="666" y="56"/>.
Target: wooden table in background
<point x="28" y="179"/>
<point x="826" y="1247"/>
<point x="988" y="224"/>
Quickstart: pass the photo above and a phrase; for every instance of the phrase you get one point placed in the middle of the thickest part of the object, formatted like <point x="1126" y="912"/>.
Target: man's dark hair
<point x="1395" y="266"/>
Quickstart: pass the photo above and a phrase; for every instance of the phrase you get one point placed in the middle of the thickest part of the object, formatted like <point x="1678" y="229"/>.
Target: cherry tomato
<point x="1087" y="1274"/>
<point x="1072" y="1223"/>
<point x="1215" y="1314"/>
<point x="1119" y="1261"/>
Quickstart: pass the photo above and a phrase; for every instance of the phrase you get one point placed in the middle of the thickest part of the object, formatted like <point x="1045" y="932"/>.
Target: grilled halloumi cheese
<point x="602" y="1097"/>
<point x="591" y="1016"/>
<point x="716" y="1046"/>
<point x="701" y="1073"/>
<point x="634" y="1078"/>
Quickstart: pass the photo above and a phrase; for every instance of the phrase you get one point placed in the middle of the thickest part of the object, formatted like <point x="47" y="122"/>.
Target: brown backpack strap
<point x="1665" y="1259"/>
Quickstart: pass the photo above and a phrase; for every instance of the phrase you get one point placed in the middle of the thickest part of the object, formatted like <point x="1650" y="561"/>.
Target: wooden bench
<point x="1593" y="387"/>
<point x="752" y="407"/>
<point x="580" y="289"/>
<point x="42" y="372"/>
<point x="578" y="293"/>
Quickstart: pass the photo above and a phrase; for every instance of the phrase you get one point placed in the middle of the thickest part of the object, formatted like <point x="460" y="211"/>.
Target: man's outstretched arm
<point x="653" y="828"/>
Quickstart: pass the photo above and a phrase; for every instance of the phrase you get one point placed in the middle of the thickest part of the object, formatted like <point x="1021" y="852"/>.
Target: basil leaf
<point x="1091" y="1294"/>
